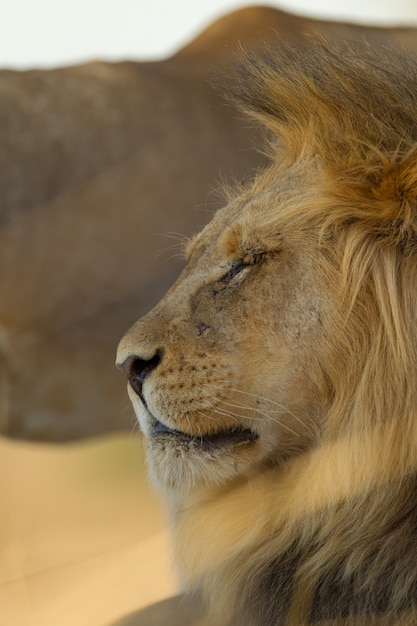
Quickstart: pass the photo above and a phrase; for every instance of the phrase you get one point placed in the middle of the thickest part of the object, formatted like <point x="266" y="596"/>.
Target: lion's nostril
<point x="137" y="369"/>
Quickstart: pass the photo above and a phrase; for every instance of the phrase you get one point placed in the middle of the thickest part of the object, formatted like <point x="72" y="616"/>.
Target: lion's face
<point x="224" y="374"/>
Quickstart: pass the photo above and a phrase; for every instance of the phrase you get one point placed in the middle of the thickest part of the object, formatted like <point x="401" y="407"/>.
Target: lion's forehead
<point x="259" y="220"/>
<point x="240" y="235"/>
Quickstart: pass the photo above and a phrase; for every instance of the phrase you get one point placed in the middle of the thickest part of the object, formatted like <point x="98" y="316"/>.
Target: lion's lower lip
<point x="234" y="436"/>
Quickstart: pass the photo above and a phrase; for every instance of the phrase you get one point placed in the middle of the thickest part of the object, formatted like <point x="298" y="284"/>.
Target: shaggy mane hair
<point x="333" y="534"/>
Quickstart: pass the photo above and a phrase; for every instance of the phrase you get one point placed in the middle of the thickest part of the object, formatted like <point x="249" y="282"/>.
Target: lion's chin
<point x="209" y="441"/>
<point x="181" y="462"/>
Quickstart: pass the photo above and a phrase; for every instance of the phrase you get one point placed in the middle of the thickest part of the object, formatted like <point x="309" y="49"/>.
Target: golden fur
<point x="275" y="383"/>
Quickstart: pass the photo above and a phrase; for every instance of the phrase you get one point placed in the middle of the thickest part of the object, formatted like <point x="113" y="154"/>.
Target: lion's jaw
<point x="224" y="373"/>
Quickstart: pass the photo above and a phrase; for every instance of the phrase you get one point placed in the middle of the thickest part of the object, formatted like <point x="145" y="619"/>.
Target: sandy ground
<point x="83" y="539"/>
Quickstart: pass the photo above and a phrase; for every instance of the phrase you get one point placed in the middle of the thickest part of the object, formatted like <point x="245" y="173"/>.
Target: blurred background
<point x="48" y="33"/>
<point x="112" y="144"/>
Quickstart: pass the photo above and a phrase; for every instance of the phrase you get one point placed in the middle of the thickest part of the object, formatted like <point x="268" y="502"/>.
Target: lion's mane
<point x="331" y="537"/>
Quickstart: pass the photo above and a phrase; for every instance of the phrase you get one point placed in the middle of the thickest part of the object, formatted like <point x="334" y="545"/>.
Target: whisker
<point x="264" y="399"/>
<point x="244" y="406"/>
<point x="177" y="253"/>
<point x="237" y="416"/>
<point x="224" y="413"/>
<point x="179" y="237"/>
<point x="179" y="245"/>
<point x="269" y="416"/>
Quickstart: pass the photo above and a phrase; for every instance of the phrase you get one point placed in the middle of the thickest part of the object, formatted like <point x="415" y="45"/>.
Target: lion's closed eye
<point x="249" y="259"/>
<point x="236" y="268"/>
<point x="237" y="271"/>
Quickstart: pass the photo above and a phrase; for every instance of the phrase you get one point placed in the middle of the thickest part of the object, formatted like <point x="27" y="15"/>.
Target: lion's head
<point x="217" y="370"/>
<point x="275" y="383"/>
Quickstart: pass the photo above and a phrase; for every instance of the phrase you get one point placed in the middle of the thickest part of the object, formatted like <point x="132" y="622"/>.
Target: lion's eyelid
<point x="248" y="260"/>
<point x="234" y="269"/>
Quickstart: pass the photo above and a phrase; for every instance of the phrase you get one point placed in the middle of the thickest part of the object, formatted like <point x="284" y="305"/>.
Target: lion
<point x="275" y="383"/>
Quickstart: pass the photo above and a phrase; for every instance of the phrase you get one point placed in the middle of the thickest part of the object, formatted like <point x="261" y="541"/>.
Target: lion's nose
<point x="137" y="370"/>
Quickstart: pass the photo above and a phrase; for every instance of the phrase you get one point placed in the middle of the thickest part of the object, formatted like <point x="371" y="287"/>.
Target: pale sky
<point x="48" y="33"/>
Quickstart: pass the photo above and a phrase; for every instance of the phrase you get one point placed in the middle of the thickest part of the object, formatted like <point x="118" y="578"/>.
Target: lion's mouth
<point x="207" y="441"/>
